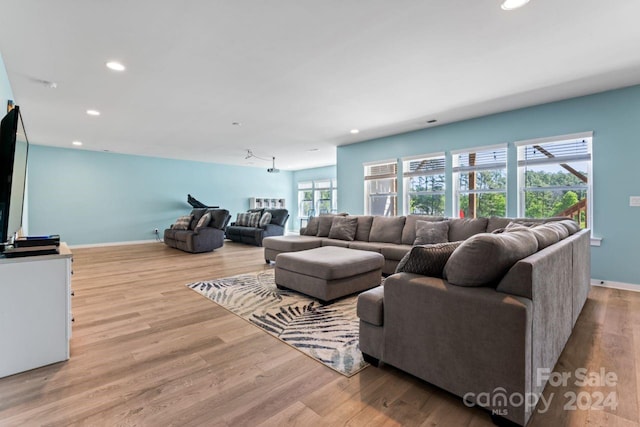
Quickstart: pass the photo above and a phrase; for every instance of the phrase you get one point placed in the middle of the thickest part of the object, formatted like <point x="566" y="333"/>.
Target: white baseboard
<point x="615" y="285"/>
<point x="98" y="245"/>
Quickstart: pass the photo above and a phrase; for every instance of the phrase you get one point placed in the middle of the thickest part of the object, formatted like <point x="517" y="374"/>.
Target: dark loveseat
<point x="196" y="239"/>
<point x="254" y="235"/>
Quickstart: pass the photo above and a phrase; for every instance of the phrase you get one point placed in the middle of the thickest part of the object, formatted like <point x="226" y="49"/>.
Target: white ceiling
<point x="298" y="74"/>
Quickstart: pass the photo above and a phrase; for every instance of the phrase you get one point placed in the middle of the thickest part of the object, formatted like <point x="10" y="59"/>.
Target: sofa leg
<point x="267" y="261"/>
<point x="281" y="287"/>
<point x="370" y="360"/>
<point x="503" y="422"/>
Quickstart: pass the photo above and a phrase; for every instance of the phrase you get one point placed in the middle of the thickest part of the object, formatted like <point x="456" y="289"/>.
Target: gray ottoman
<point x="275" y="245"/>
<point x="329" y="272"/>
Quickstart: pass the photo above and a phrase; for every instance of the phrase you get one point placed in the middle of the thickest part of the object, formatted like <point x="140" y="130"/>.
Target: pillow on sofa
<point x="182" y="223"/>
<point x="254" y="219"/>
<point x="483" y="259"/>
<point x="324" y="225"/>
<point x="409" y="230"/>
<point x="364" y="227"/>
<point x="264" y="219"/>
<point x="312" y="227"/>
<point x="343" y="228"/>
<point x="428" y="232"/>
<point x="428" y="260"/>
<point x="196" y="214"/>
<point x="387" y="229"/>
<point x="243" y="219"/>
<point x="203" y="222"/>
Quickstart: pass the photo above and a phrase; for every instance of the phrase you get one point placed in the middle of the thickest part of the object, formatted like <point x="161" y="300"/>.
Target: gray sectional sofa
<point x="496" y="313"/>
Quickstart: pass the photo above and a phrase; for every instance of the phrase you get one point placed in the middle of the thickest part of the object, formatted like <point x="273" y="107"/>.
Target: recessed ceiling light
<point x="93" y="112"/>
<point x="354" y="131"/>
<point x="236" y="124"/>
<point x="431" y="121"/>
<point x="115" y="66"/>
<point x="313" y="149"/>
<point x="513" y="4"/>
<point x="77" y="143"/>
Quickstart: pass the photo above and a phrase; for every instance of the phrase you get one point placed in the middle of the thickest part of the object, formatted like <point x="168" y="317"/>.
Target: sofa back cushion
<point x="572" y="226"/>
<point x="430" y="232"/>
<point x="182" y="223"/>
<point x="463" y="228"/>
<point x="387" y="229"/>
<point x="324" y="225"/>
<point x="364" y="227"/>
<point x="278" y="216"/>
<point x="196" y="215"/>
<point x="496" y="223"/>
<point x="409" y="230"/>
<point x="484" y="258"/>
<point x="219" y="218"/>
<point x="312" y="227"/>
<point x="343" y="228"/>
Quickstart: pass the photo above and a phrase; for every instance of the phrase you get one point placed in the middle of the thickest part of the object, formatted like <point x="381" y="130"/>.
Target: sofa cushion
<point x="242" y="219"/>
<point x="312" y="227"/>
<point x="264" y="219"/>
<point x="431" y="232"/>
<point x="483" y="259"/>
<point x="343" y="228"/>
<point x="572" y="226"/>
<point x="364" y="227"/>
<point x="427" y="260"/>
<point x="291" y="243"/>
<point x="395" y="252"/>
<point x="409" y="230"/>
<point x="278" y="216"/>
<point x="497" y="222"/>
<point x="197" y="214"/>
<point x="203" y="222"/>
<point x="387" y="229"/>
<point x="463" y="228"/>
<point x="183" y="222"/>
<point x="367" y="246"/>
<point x="254" y="219"/>
<point x="324" y="225"/>
<point x="561" y="229"/>
<point x="334" y="242"/>
<point x="219" y="218"/>
<point x="546" y="236"/>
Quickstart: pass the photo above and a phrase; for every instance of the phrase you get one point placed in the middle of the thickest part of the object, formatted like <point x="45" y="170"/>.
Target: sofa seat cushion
<point x="330" y="263"/>
<point x="367" y="246"/>
<point x="291" y="243"/>
<point x="395" y="252"/>
<point x="182" y="235"/>
<point x="483" y="259"/>
<point x="335" y="242"/>
<point x="370" y="306"/>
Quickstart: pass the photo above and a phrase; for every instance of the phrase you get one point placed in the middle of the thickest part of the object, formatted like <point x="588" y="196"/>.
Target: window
<point x="381" y="188"/>
<point x="424" y="185"/>
<point x="480" y="178"/>
<point x="317" y="197"/>
<point x="554" y="177"/>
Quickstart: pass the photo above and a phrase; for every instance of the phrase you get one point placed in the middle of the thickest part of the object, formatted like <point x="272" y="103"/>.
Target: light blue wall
<point x="5" y="87"/>
<point x="94" y="197"/>
<point x="613" y="116"/>
<point x="302" y="175"/>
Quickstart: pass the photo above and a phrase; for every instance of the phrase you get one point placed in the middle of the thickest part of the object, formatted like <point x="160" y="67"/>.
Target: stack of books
<point x="34" y="245"/>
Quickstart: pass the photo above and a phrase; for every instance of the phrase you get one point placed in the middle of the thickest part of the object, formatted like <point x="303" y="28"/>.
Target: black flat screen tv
<point x="14" y="150"/>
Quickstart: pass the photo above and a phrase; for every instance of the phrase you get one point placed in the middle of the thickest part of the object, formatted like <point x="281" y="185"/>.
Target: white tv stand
<point x="35" y="311"/>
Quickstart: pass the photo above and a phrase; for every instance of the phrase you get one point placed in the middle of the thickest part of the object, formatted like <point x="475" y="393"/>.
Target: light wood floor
<point x="147" y="351"/>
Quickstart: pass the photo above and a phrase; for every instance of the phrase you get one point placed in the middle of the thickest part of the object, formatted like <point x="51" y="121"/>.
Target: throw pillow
<point x="428" y="260"/>
<point x="182" y="223"/>
<point x="343" y="228"/>
<point x="409" y="230"/>
<point x="254" y="219"/>
<point x="312" y="226"/>
<point x="265" y="219"/>
<point x="387" y="229"/>
<point x="243" y="219"/>
<point x="203" y="222"/>
<point x="483" y="259"/>
<point x="196" y="215"/>
<point x="428" y="232"/>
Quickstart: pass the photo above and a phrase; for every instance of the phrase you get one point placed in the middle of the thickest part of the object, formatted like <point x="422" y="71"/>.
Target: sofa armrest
<point x="464" y="340"/>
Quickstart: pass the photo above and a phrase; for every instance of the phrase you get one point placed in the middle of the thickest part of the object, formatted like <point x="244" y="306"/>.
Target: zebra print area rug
<point x="328" y="333"/>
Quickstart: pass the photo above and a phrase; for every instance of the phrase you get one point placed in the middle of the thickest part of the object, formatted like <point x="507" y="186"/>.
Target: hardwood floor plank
<point x="148" y="351"/>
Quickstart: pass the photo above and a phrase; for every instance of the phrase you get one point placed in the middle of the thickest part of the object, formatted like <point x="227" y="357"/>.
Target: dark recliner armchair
<point x="199" y="239"/>
<point x="254" y="235"/>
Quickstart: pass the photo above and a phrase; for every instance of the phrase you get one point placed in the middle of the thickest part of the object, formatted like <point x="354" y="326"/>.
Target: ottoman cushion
<point x="330" y="262"/>
<point x="291" y="243"/>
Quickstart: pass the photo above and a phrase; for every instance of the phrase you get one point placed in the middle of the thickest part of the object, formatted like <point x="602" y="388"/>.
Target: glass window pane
<point x="377" y="186"/>
<point x="426" y="183"/>
<point x="482" y="205"/>
<point x="547" y="203"/>
<point x="495" y="179"/>
<point x="550" y="175"/>
<point x="430" y="204"/>
<point x="384" y="205"/>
